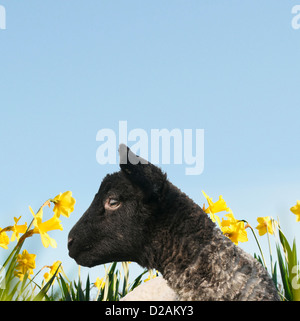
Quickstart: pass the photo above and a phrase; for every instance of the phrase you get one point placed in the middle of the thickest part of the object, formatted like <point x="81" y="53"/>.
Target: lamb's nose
<point x="70" y="241"/>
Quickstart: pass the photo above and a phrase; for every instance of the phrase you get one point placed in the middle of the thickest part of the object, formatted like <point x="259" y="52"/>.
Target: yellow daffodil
<point x="296" y="210"/>
<point x="100" y="284"/>
<point x="25" y="264"/>
<point x="43" y="227"/>
<point x="63" y="204"/>
<point x="216" y="207"/>
<point x="4" y="239"/>
<point x="264" y="225"/>
<point x="213" y="208"/>
<point x="231" y="220"/>
<point x="234" y="229"/>
<point x="53" y="268"/>
<point x="17" y="229"/>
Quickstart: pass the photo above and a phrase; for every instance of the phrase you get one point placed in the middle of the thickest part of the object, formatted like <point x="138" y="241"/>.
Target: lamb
<point x="139" y="215"/>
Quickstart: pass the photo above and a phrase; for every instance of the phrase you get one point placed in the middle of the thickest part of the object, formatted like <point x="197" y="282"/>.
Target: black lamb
<point x="138" y="215"/>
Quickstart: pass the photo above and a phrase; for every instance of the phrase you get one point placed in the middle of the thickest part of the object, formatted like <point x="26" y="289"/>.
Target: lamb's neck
<point x="183" y="246"/>
<point x="177" y="239"/>
<point x="176" y="250"/>
<point x="178" y="243"/>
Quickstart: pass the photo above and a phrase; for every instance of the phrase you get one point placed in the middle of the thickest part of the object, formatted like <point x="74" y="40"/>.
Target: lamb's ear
<point x="147" y="176"/>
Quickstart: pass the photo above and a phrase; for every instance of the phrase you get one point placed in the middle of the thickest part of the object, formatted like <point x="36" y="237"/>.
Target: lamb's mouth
<point x="84" y="258"/>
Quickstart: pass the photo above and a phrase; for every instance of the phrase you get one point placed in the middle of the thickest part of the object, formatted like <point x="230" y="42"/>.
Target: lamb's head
<point x="116" y="225"/>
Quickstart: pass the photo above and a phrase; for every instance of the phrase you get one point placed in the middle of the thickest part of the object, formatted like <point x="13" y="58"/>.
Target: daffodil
<point x="234" y="229"/>
<point x="17" y="229"/>
<point x="213" y="208"/>
<point x="99" y="284"/>
<point x="53" y="268"/>
<point x="264" y="225"/>
<point x="216" y="207"/>
<point x="296" y="210"/>
<point x="4" y="239"/>
<point x="43" y="227"/>
<point x="63" y="204"/>
<point x="25" y="264"/>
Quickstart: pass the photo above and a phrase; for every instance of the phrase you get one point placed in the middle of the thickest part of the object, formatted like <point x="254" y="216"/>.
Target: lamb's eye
<point x="112" y="203"/>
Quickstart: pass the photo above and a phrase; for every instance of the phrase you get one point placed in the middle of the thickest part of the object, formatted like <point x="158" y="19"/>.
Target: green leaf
<point x="79" y="294"/>
<point x="274" y="276"/>
<point x="65" y="291"/>
<point x="43" y="293"/>
<point x="291" y="256"/>
<point x="284" y="276"/>
<point x="138" y="281"/>
<point x="87" y="289"/>
<point x="9" y="296"/>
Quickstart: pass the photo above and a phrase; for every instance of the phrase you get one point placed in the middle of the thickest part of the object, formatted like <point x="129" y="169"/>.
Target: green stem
<point x="257" y="242"/>
<point x="270" y="250"/>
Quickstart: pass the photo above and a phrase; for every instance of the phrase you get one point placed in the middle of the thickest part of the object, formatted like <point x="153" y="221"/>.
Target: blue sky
<point x="71" y="68"/>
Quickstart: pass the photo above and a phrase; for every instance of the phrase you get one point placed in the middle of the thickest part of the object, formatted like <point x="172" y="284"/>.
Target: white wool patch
<point x="153" y="290"/>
